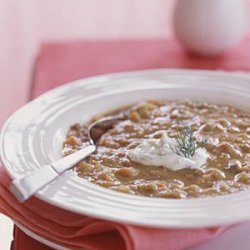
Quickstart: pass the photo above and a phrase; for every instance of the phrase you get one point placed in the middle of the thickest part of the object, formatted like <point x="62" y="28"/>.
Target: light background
<point x="25" y="24"/>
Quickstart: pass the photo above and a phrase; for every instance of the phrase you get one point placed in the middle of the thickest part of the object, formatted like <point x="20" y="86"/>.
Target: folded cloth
<point x="63" y="62"/>
<point x="77" y="232"/>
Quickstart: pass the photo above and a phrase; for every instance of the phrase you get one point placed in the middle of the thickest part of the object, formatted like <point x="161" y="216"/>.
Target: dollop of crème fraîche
<point x="158" y="152"/>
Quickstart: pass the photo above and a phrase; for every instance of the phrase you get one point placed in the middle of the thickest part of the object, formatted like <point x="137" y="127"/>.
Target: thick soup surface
<point x="224" y="129"/>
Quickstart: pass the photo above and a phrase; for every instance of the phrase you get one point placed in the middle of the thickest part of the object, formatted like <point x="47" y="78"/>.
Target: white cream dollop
<point x="157" y="152"/>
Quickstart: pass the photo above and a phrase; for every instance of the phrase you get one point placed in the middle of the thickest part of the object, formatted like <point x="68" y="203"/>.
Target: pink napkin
<point x="63" y="62"/>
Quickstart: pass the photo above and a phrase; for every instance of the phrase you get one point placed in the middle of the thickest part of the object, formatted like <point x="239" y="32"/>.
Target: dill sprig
<point x="186" y="144"/>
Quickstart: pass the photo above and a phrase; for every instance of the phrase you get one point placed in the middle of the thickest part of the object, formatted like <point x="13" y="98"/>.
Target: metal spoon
<point x="29" y="185"/>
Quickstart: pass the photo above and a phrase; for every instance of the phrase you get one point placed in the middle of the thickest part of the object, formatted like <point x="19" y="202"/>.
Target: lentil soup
<point x="225" y="129"/>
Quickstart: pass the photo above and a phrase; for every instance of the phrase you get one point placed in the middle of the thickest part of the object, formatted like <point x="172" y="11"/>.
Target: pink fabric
<point x="63" y="62"/>
<point x="24" y="242"/>
<point x="79" y="232"/>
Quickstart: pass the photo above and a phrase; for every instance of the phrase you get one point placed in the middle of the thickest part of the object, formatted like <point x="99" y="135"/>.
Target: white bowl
<point x="33" y="136"/>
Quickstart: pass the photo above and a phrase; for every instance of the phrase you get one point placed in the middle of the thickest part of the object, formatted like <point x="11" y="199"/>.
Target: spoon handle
<point x="30" y="184"/>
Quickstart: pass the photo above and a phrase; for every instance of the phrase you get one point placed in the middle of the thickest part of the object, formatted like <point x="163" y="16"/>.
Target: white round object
<point x="210" y="27"/>
<point x="33" y="136"/>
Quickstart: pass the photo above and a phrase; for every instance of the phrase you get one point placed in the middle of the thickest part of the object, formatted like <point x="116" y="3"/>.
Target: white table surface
<point x="6" y="230"/>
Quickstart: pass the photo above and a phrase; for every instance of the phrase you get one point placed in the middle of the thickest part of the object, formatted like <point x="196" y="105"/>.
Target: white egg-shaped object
<point x="210" y="27"/>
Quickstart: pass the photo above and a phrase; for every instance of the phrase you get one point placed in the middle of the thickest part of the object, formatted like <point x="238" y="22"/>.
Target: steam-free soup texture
<point x="225" y="129"/>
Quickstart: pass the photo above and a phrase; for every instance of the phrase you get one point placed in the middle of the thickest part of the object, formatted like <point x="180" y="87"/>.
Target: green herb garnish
<point x="186" y="144"/>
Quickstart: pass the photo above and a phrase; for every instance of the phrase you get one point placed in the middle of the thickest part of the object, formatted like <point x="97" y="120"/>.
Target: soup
<point x="220" y="132"/>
